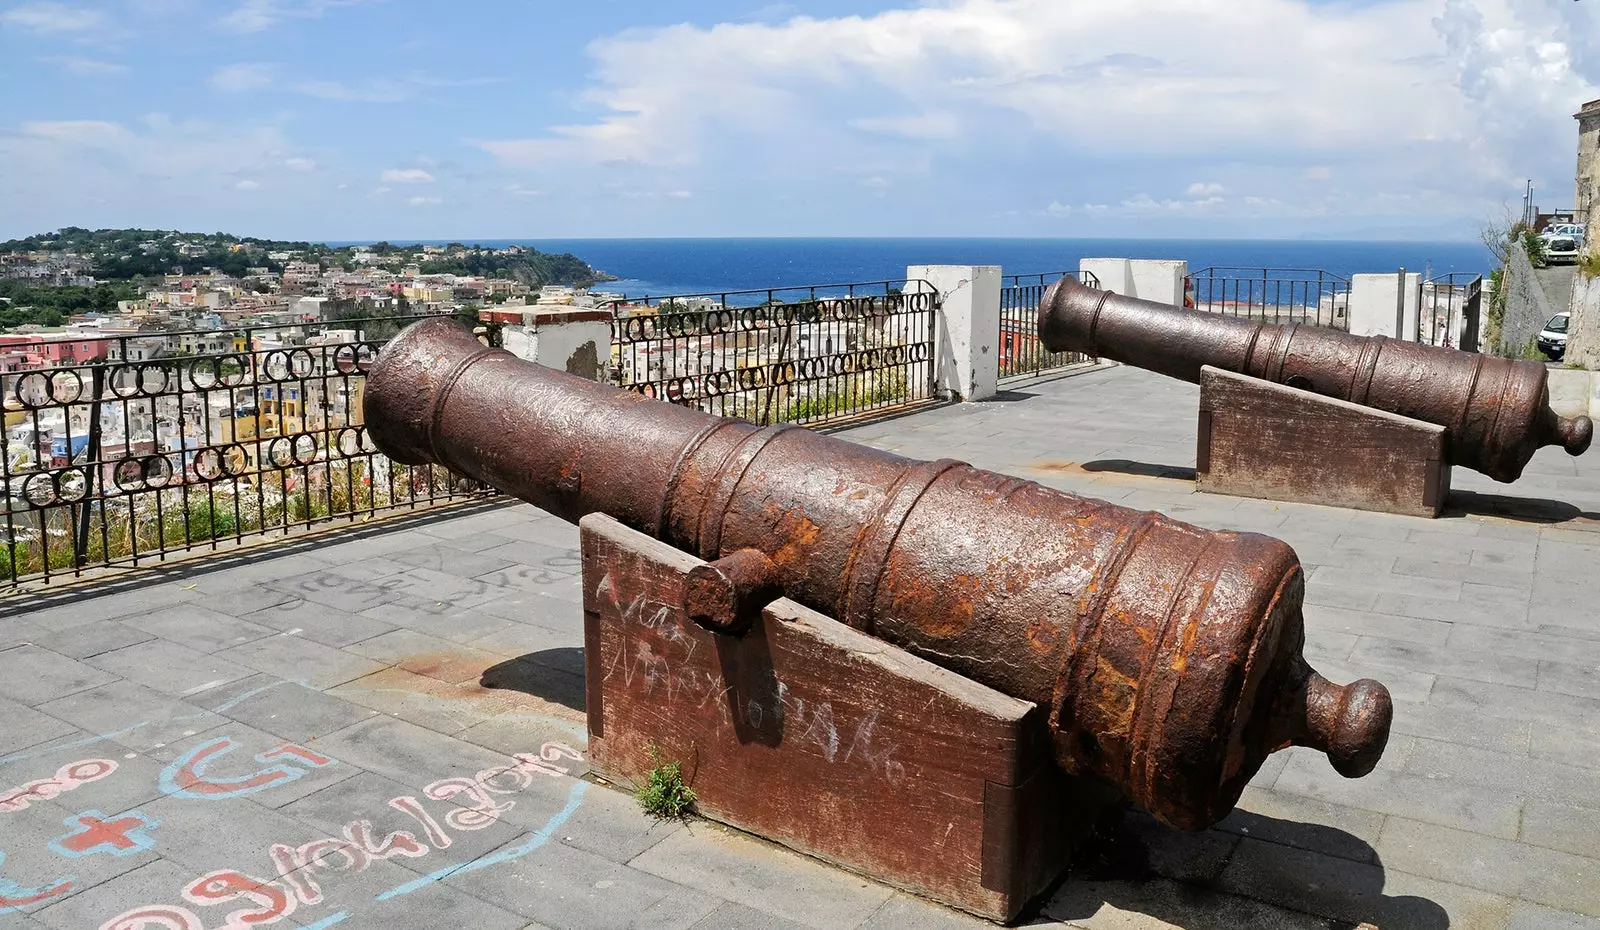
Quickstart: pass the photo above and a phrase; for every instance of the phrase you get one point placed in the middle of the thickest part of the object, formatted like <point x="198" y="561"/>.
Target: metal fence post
<point x="91" y="458"/>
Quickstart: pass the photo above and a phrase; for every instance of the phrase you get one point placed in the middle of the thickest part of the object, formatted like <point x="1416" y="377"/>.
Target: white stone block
<point x="967" y="328"/>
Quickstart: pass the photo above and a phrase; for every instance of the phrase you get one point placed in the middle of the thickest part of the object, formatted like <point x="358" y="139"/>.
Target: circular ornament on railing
<point x="72" y="485"/>
<point x="366" y="354"/>
<point x="233" y="378"/>
<point x="235" y="460"/>
<point x="128" y="475"/>
<point x="152" y="378"/>
<point x="305" y="450"/>
<point x="718" y="383"/>
<point x="302" y="364"/>
<point x="207" y="465"/>
<point x="66" y="386"/>
<point x="123" y="381"/>
<point x="920" y="352"/>
<point x="275" y="366"/>
<point x="280" y="452"/>
<point x="40" y="489"/>
<point x="157" y="471"/>
<point x="348" y="441"/>
<point x="33" y="390"/>
<point x="204" y="373"/>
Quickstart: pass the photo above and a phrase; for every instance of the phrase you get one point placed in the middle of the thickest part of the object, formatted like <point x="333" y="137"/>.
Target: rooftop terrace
<point x="194" y="730"/>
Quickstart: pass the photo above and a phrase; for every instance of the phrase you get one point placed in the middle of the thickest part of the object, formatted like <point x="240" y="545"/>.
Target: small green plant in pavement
<point x="664" y="794"/>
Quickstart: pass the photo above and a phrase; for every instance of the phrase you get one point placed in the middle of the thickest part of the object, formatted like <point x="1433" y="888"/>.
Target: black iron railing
<point x="1021" y="353"/>
<point x="1272" y="295"/>
<point x="153" y="449"/>
<point x="1449" y="311"/>
<point x="788" y="355"/>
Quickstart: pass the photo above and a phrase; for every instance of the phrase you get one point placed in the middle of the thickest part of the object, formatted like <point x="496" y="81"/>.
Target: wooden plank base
<point x="814" y="735"/>
<point x="1274" y="442"/>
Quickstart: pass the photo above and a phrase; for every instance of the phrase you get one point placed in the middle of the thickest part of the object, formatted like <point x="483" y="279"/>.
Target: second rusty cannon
<point x="1165" y="658"/>
<point x="1497" y="411"/>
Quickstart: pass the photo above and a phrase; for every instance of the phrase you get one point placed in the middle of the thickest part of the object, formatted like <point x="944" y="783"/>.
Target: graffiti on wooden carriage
<point x="291" y="875"/>
<point x="658" y="661"/>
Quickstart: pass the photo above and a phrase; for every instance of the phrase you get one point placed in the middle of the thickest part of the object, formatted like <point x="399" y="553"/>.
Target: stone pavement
<point x="383" y="728"/>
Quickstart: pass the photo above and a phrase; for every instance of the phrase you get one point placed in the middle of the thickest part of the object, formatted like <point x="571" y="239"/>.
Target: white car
<point x="1560" y="244"/>
<point x="1553" y="338"/>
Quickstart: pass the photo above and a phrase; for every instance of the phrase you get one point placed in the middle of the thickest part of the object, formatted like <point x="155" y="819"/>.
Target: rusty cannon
<point x="1497" y="411"/>
<point x="1166" y="657"/>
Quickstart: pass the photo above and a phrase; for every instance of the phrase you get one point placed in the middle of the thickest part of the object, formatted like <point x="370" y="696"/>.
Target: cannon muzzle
<point x="1497" y="410"/>
<point x="1165" y="658"/>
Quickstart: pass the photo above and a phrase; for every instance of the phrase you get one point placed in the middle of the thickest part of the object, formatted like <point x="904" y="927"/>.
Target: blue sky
<point x="354" y="119"/>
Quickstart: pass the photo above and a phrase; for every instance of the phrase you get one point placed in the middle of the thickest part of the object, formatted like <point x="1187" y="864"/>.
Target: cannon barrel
<point x="1497" y="410"/>
<point x="1165" y="658"/>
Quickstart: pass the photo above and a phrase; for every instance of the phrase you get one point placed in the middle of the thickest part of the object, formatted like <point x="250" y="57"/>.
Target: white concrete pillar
<point x="966" y="337"/>
<point x="577" y="342"/>
<point x="1376" y="307"/>
<point x="1160" y="280"/>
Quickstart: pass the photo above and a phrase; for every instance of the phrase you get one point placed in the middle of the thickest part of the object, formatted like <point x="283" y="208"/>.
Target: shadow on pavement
<point x="1221" y="878"/>
<point x="1523" y="509"/>
<point x="548" y="675"/>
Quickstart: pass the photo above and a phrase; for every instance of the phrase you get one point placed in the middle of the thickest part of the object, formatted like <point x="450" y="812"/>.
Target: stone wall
<point x="1583" y="339"/>
<point x="1526" y="307"/>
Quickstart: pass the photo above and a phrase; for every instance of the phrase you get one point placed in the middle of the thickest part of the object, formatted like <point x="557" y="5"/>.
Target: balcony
<point x="207" y="722"/>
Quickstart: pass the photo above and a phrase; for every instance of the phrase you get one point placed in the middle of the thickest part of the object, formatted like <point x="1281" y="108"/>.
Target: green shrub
<point x="664" y="794"/>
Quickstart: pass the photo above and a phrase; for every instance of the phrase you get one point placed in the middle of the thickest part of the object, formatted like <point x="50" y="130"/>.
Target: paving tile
<point x="297" y="658"/>
<point x="452" y="560"/>
<point x="32" y="863"/>
<point x="426" y="655"/>
<point x="365" y="798"/>
<point x="91" y="639"/>
<point x="611" y="825"/>
<point x="1165" y="905"/>
<point x="15" y="631"/>
<point x="1477" y="604"/>
<point x="408" y="753"/>
<point x="1581" y="679"/>
<point x="1555" y="879"/>
<point x="132" y="778"/>
<point x="26" y="727"/>
<point x="1391" y="790"/>
<point x="155" y="883"/>
<point x="72" y="609"/>
<point x="1565" y="742"/>
<point x="1502" y="576"/>
<point x="1458" y="725"/>
<point x="567" y="889"/>
<point x="236" y="600"/>
<point x="236" y="833"/>
<point x="904" y="912"/>
<point x="444" y="619"/>
<point x="132" y="715"/>
<point x="538" y="581"/>
<point x="439" y="588"/>
<point x="1494" y="700"/>
<point x="331" y="590"/>
<point x="442" y="706"/>
<point x="737" y="868"/>
<point x="235" y="762"/>
<point x="1525" y="643"/>
<point x="286" y="709"/>
<point x="1383" y="626"/>
<point x="738" y="917"/>
<point x="318" y="622"/>
<point x="170" y="668"/>
<point x="1305" y="823"/>
<point x="1455" y="661"/>
<point x="1525" y="916"/>
<point x="1329" y="887"/>
<point x="33" y="675"/>
<point x="197" y="627"/>
<point x="359" y="896"/>
<point x="1565" y="827"/>
<point x="533" y="641"/>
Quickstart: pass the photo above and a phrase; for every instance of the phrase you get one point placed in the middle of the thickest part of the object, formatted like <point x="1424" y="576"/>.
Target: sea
<point x="667" y="267"/>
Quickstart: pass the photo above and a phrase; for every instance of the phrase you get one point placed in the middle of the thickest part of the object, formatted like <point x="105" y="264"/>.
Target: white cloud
<point x="300" y="164"/>
<point x="248" y="185"/>
<point x="86" y="67"/>
<point x="52" y="18"/>
<point x="242" y="77"/>
<point x="424" y="201"/>
<point x="406" y="176"/>
<point x="256" y="15"/>
<point x="1448" y="99"/>
<point x="371" y="91"/>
